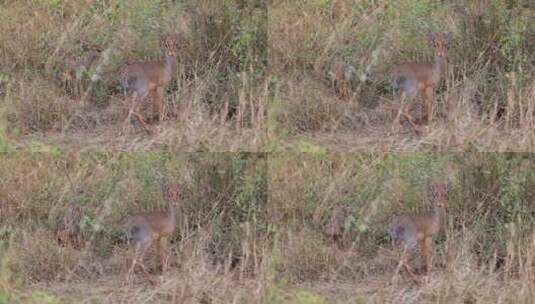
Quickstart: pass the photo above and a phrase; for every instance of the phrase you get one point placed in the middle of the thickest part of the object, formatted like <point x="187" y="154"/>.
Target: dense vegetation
<point x="253" y="227"/>
<point x="289" y="183"/>
<point x="221" y="211"/>
<point x="485" y="100"/>
<point x="216" y="94"/>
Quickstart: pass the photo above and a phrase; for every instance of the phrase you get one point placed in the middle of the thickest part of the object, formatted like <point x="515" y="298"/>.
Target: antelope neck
<point x="438" y="63"/>
<point x="170" y="64"/>
<point x="171" y="211"/>
<point x="437" y="214"/>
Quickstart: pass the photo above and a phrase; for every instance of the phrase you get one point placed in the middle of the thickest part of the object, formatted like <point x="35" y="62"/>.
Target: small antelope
<point x="416" y="78"/>
<point x="342" y="76"/>
<point x="150" y="77"/>
<point x="150" y="228"/>
<point x="74" y="69"/>
<point x="407" y="231"/>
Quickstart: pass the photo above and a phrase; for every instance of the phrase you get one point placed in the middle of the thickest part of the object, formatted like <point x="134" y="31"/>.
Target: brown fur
<point x="407" y="231"/>
<point x="149" y="78"/>
<point x="156" y="227"/>
<point x="420" y="78"/>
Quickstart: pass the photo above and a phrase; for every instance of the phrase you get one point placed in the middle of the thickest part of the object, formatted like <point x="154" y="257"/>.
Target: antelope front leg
<point x="428" y="103"/>
<point x="139" y="253"/>
<point x="164" y="256"/>
<point x="143" y="123"/>
<point x="403" y="262"/>
<point x="411" y="273"/>
<point x="410" y="120"/>
<point x="426" y="250"/>
<point x="158" y="105"/>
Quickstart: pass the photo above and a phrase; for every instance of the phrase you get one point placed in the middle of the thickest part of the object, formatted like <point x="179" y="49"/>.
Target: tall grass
<point x="222" y="208"/>
<point x="218" y="90"/>
<point x="253" y="227"/>
<point x="485" y="101"/>
<point x="487" y="240"/>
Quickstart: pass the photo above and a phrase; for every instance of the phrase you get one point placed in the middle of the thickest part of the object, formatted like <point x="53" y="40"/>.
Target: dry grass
<point x="483" y="255"/>
<point x="81" y="276"/>
<point x="485" y="103"/>
<point x="218" y="92"/>
<point x="253" y="227"/>
<point x="262" y="227"/>
<point x="215" y="253"/>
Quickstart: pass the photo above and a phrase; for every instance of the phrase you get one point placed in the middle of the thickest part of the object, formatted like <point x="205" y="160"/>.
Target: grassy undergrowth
<point x="218" y="91"/>
<point x="221" y="211"/>
<point x="487" y="239"/>
<point x="254" y="227"/>
<point x="484" y="102"/>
